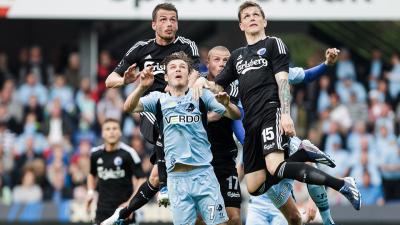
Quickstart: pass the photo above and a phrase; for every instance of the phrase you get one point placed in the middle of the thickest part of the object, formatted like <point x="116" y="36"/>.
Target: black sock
<point x="299" y="156"/>
<point x="162" y="168"/>
<point x="143" y="195"/>
<point x="307" y="174"/>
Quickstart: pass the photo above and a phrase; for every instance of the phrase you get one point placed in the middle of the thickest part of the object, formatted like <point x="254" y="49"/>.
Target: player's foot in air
<point x="351" y="192"/>
<point x="114" y="219"/>
<point x="163" y="199"/>
<point x="315" y="154"/>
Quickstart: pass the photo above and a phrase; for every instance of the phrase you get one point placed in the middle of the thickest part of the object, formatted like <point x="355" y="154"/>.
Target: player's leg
<point x="281" y="168"/>
<point x="183" y="206"/>
<point x="207" y="195"/>
<point x="143" y="195"/>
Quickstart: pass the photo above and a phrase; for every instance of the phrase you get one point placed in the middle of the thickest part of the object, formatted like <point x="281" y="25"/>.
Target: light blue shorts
<point x="280" y="192"/>
<point x="196" y="191"/>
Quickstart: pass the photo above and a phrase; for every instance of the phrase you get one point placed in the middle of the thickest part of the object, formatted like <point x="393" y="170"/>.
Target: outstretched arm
<point x="114" y="80"/>
<point x="314" y="73"/>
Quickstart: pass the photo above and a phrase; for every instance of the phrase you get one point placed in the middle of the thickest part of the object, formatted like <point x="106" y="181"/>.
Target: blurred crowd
<point x="50" y="117"/>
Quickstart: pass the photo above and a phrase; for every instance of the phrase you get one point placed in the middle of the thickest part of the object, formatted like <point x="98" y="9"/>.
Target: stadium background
<point x="55" y="56"/>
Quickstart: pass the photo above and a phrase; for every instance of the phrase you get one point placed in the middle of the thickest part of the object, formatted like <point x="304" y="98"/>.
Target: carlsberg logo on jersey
<point x="243" y="66"/>
<point x="157" y="67"/>
<point x="182" y="119"/>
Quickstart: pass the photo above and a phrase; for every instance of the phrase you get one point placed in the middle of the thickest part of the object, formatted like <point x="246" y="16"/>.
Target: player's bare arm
<point x="284" y="98"/>
<point x="132" y="103"/>
<point x="232" y="111"/>
<point x="91" y="184"/>
<point x="114" y="80"/>
<point x="201" y="83"/>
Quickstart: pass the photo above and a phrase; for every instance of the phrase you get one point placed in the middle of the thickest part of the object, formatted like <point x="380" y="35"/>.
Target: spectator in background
<point x="386" y="118"/>
<point x="375" y="106"/>
<point x="31" y="131"/>
<point x="105" y="67"/>
<point x="357" y="108"/>
<point x="110" y="106"/>
<point x="37" y="66"/>
<point x="382" y="89"/>
<point x="341" y="157"/>
<point x="73" y="70"/>
<point x="339" y="113"/>
<point x="28" y="191"/>
<point x="394" y="77"/>
<point x="348" y="86"/>
<point x="32" y="87"/>
<point x="8" y="97"/>
<point x="4" y="70"/>
<point x="345" y="66"/>
<point x="5" y="191"/>
<point x="20" y="67"/>
<point x="59" y="191"/>
<point x="58" y="127"/>
<point x="376" y="68"/>
<point x="203" y="53"/>
<point x="389" y="163"/>
<point x="80" y="163"/>
<point x="366" y="161"/>
<point x="86" y="105"/>
<point x="372" y="194"/>
<point x="60" y="90"/>
<point x="357" y="136"/>
<point x="8" y="119"/>
<point x="323" y="95"/>
<point x="34" y="107"/>
<point x="298" y="112"/>
<point x="7" y="142"/>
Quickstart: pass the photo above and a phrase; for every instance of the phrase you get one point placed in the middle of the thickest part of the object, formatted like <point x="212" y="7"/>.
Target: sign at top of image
<point x="201" y="9"/>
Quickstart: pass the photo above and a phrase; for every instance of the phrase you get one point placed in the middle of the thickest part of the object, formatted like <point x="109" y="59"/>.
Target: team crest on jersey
<point x="190" y="107"/>
<point x="99" y="161"/>
<point x="240" y="57"/>
<point x="117" y="161"/>
<point x="261" y="51"/>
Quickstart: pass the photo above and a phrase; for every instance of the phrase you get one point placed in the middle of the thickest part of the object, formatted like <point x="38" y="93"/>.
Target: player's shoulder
<point x="140" y="45"/>
<point x="97" y="150"/>
<point x="272" y="41"/>
<point x="130" y="152"/>
<point x="184" y="41"/>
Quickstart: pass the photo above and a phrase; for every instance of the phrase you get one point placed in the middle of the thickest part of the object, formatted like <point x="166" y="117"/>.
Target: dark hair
<point x="109" y="119"/>
<point x="165" y="6"/>
<point x="248" y="4"/>
<point x="181" y="56"/>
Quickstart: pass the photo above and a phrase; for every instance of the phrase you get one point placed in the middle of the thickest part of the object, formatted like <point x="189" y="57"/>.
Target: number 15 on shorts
<point x="268" y="134"/>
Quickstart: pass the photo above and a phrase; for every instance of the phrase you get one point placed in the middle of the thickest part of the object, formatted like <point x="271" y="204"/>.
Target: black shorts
<point x="150" y="131"/>
<point x="229" y="183"/>
<point x="149" y="127"/>
<point x="261" y="139"/>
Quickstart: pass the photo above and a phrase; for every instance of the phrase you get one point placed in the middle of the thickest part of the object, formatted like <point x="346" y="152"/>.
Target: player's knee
<point x="294" y="218"/>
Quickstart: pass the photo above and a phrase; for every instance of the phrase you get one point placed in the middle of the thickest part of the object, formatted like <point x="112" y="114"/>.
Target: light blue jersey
<point x="185" y="138"/>
<point x="296" y="75"/>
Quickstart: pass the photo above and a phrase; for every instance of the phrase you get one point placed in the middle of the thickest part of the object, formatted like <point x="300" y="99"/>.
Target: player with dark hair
<point x="262" y="70"/>
<point x="151" y="53"/>
<point x="115" y="169"/>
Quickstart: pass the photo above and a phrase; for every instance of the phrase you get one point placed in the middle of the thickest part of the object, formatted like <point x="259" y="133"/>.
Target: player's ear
<point x="241" y="26"/>
<point x="166" y="77"/>
<point x="153" y="25"/>
<point x="265" y="23"/>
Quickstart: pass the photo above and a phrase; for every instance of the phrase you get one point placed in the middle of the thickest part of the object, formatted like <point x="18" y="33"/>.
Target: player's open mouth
<point x="178" y="76"/>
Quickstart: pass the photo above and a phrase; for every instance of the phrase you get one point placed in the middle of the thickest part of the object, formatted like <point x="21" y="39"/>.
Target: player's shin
<point x="319" y="196"/>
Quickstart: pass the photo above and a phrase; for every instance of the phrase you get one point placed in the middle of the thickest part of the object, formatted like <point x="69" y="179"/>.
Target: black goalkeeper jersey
<point x="146" y="53"/>
<point x="114" y="171"/>
<point x="255" y="67"/>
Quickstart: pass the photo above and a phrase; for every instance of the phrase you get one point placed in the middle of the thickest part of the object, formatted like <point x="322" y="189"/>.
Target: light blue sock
<point x="319" y="196"/>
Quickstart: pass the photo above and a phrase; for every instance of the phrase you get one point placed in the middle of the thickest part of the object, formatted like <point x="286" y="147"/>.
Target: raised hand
<point x="146" y="77"/>
<point x="129" y="75"/>
<point x="331" y="56"/>
<point x="223" y="98"/>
